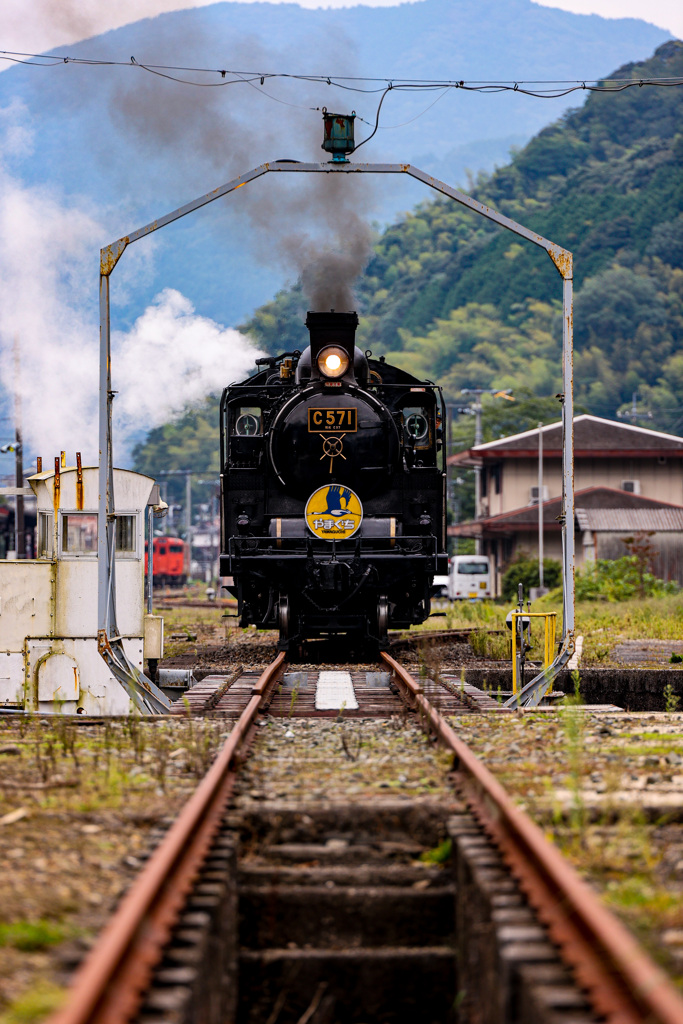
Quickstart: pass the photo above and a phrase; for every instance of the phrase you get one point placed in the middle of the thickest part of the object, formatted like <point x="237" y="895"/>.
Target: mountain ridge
<point x="90" y="144"/>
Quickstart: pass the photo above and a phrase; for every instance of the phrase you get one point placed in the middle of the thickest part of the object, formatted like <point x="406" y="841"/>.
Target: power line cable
<point x="554" y="88"/>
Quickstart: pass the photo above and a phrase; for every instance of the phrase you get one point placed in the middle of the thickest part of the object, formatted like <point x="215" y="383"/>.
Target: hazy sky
<point x="38" y="25"/>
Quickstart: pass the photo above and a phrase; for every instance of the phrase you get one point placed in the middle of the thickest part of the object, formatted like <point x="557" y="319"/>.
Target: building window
<point x="79" y="534"/>
<point x="45" y="534"/>
<point x="126" y="535"/>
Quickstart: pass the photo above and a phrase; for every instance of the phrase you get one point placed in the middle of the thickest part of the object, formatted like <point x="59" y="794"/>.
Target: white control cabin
<point x="49" y="660"/>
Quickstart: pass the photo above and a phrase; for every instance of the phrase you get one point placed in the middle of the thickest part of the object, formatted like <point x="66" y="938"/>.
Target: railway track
<point x="323" y="889"/>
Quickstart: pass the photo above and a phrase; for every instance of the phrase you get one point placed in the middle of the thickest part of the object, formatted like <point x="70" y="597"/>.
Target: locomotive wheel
<point x="382" y="619"/>
<point x="283" y="620"/>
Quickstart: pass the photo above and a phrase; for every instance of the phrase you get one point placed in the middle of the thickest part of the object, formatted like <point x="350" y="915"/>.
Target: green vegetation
<point x="35" y="1004"/>
<point x="190" y="442"/>
<point x="31" y="935"/>
<point x="602" y="623"/>
<point x="524" y="570"/>
<point x="671" y="700"/>
<point x="574" y="727"/>
<point x="496" y="647"/>
<point x="439" y="855"/>
<point x="454" y="298"/>
<point x="619" y="580"/>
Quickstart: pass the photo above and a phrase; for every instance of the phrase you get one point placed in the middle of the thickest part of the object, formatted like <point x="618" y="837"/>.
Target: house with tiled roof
<point x="627" y="479"/>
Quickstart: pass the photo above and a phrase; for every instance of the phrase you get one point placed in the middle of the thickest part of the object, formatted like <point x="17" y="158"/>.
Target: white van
<point x="469" y="578"/>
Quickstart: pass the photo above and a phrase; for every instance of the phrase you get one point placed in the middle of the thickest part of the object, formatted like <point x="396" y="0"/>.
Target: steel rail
<point x="623" y="983"/>
<point x="108" y="987"/>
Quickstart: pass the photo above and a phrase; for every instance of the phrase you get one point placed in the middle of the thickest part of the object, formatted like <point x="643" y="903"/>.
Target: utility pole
<point x="540" y="506"/>
<point x="19" y="528"/>
<point x="633" y="414"/>
<point x="188" y="519"/>
<point x="476" y="409"/>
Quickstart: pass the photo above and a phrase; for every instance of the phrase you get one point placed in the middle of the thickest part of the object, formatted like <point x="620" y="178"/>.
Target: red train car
<point x="169" y="562"/>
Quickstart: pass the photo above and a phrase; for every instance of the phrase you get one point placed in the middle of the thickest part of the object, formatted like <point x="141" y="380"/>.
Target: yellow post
<point x="549" y="627"/>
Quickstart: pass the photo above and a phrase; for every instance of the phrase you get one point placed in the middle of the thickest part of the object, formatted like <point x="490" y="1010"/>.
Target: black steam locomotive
<point x="333" y="480"/>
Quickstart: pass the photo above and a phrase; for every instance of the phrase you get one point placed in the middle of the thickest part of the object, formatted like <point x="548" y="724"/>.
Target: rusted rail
<point x="623" y="983"/>
<point x="108" y="987"/>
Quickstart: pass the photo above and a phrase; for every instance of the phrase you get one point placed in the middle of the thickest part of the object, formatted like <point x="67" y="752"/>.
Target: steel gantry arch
<point x="146" y="696"/>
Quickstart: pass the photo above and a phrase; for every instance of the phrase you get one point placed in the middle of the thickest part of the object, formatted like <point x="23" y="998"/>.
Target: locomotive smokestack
<point x="332" y="329"/>
<point x="334" y="334"/>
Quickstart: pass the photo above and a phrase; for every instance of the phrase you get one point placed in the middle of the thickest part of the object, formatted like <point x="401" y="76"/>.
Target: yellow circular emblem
<point x="333" y="512"/>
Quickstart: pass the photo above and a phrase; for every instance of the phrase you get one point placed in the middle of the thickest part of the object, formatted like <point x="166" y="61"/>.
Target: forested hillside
<point x="457" y="299"/>
<point x="451" y="296"/>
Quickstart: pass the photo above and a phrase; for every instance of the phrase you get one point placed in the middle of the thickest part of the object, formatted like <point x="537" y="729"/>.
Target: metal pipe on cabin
<point x="39" y="464"/>
<point x="79" y="483"/>
<point x="56" y="488"/>
<point x="540" y="505"/>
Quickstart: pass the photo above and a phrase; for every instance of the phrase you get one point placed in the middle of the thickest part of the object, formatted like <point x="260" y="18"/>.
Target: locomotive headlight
<point x="333" y="361"/>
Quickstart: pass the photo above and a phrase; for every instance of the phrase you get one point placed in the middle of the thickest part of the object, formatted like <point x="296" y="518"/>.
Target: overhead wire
<point x="555" y="88"/>
<point x="552" y="89"/>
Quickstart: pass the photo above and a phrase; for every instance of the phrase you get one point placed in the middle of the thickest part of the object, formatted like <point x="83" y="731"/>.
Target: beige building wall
<point x="660" y="480"/>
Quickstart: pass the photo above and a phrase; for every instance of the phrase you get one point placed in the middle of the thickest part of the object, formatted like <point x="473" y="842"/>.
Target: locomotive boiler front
<point x="333" y="429"/>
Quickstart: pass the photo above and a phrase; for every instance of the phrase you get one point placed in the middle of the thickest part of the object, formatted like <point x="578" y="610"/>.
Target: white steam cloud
<point x="49" y="258"/>
<point x="172" y="357"/>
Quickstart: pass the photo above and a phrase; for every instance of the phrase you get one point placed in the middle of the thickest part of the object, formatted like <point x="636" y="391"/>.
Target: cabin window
<point x="45" y="534"/>
<point x="78" y="537"/>
<point x="126" y="535"/>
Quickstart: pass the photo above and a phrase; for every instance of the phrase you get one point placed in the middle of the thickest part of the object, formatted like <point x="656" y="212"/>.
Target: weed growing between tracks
<point x="77" y="806"/>
<point x="608" y="790"/>
<point x="574" y="725"/>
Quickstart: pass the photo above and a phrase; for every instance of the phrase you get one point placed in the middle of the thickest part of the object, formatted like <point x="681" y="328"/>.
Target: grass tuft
<point x="31" y="935"/>
<point x="35" y="1004"/>
<point x="439" y="855"/>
